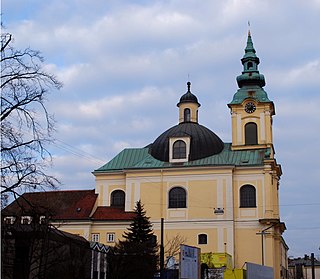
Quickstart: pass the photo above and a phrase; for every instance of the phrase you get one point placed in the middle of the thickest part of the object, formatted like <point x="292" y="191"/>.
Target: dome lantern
<point x="188" y="106"/>
<point x="187" y="141"/>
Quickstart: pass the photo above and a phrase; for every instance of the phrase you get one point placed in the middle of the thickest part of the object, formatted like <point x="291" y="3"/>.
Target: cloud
<point x="299" y="75"/>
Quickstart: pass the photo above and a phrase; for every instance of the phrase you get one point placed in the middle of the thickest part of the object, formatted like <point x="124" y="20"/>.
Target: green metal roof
<point x="139" y="158"/>
<point x="250" y="52"/>
<point x="252" y="92"/>
<point x="127" y="158"/>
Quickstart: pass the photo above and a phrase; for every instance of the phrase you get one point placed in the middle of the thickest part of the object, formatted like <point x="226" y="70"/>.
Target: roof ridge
<point x="65" y="190"/>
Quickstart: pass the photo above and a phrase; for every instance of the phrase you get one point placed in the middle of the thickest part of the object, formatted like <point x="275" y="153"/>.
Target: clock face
<point x="250" y="107"/>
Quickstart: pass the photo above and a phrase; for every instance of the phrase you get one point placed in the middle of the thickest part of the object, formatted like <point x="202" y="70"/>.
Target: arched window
<point x="202" y="239"/>
<point x="247" y="196"/>
<point x="177" y="198"/>
<point x="250" y="65"/>
<point x="117" y="198"/>
<point x="251" y="133"/>
<point x="179" y="150"/>
<point x="187" y="115"/>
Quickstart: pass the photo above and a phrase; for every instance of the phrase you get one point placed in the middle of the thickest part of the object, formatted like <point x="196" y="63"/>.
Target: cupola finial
<point x="189" y="86"/>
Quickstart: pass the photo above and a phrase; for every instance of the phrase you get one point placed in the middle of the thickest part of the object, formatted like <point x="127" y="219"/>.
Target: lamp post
<point x="262" y="233"/>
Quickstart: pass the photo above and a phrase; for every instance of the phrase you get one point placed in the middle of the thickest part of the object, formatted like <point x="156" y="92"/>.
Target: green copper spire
<point x="249" y="50"/>
<point x="250" y="82"/>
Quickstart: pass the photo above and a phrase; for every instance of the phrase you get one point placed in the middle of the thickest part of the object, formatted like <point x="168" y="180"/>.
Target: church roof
<point x="139" y="158"/>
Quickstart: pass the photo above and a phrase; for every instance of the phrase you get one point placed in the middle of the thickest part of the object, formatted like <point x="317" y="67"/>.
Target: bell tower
<point x="251" y="109"/>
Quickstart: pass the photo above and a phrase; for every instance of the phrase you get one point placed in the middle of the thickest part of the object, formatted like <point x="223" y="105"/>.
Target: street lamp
<point x="262" y="233"/>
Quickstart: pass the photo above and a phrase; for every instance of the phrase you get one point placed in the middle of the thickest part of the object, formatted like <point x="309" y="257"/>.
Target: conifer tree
<point x="136" y="256"/>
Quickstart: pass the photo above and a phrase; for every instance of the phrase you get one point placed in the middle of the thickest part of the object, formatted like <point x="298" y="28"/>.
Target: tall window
<point x="177" y="198"/>
<point x="117" y="198"/>
<point x="247" y="196"/>
<point x="202" y="239"/>
<point x="186" y="116"/>
<point x="251" y="134"/>
<point x="179" y="150"/>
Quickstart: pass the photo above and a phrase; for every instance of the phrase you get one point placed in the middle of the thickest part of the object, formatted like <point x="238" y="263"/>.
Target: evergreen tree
<point x="136" y="256"/>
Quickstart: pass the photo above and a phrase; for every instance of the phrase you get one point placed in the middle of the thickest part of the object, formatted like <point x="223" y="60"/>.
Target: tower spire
<point x="249" y="50"/>
<point x="250" y="79"/>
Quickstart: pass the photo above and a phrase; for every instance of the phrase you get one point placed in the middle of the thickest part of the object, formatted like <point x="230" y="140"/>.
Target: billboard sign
<point x="189" y="262"/>
<point x="257" y="271"/>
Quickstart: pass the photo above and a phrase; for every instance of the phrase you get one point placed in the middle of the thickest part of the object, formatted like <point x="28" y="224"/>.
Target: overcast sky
<point x="124" y="65"/>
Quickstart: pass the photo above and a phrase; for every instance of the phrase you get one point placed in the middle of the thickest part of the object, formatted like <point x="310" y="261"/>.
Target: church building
<point x="219" y="196"/>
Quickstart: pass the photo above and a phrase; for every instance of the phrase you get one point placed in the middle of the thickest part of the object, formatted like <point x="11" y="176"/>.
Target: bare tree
<point x="172" y="247"/>
<point x="26" y="125"/>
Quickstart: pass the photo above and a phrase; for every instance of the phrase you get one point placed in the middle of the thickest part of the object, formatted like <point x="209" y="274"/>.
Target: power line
<point x="77" y="151"/>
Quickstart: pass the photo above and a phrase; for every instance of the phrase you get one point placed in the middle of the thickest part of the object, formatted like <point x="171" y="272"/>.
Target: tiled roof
<point x="60" y="205"/>
<point x="112" y="213"/>
<point x="65" y="205"/>
<point x="139" y="158"/>
<point x="303" y="261"/>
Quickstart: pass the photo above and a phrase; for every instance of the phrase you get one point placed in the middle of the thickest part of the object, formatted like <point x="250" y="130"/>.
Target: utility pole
<point x="312" y="266"/>
<point x="161" y="251"/>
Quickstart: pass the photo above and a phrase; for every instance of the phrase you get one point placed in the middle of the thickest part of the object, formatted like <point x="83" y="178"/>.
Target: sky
<point x="124" y="65"/>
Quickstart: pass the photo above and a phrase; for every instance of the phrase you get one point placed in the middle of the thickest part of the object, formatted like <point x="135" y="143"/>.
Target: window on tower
<point x="177" y="198"/>
<point x="179" y="150"/>
<point x="187" y="115"/>
<point x="247" y="196"/>
<point x="251" y="133"/>
<point x="118" y="198"/>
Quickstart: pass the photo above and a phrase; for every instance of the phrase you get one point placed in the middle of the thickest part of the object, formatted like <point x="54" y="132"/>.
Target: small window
<point x="247" y="196"/>
<point x="111" y="237"/>
<point x="95" y="237"/>
<point x="187" y="115"/>
<point x="9" y="220"/>
<point x="251" y="134"/>
<point x="179" y="150"/>
<point x="202" y="239"/>
<point x="250" y="65"/>
<point x="118" y="198"/>
<point x="26" y="220"/>
<point x="42" y="220"/>
<point x="177" y="198"/>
